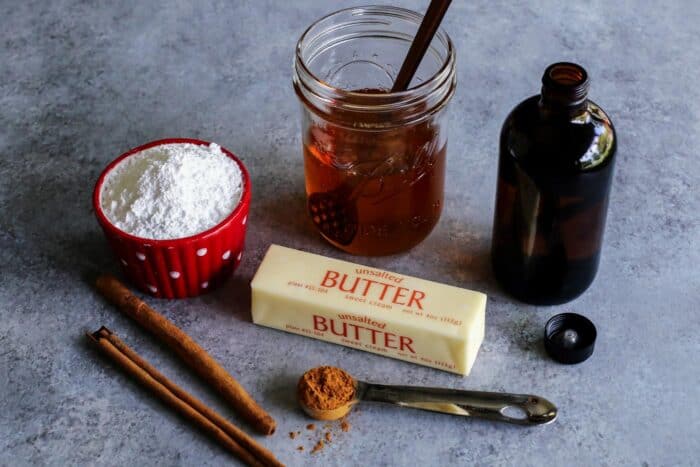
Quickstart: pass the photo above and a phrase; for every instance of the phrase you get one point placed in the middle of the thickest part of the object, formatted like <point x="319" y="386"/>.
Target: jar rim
<point x="387" y="101"/>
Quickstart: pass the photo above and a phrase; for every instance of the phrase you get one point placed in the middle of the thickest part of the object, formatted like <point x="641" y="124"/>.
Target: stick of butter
<point x="369" y="309"/>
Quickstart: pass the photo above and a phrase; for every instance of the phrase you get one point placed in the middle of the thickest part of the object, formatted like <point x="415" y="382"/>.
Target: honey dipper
<point x="335" y="212"/>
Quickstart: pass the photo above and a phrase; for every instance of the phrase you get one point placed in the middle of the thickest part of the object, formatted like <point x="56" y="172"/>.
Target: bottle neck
<point x="564" y="90"/>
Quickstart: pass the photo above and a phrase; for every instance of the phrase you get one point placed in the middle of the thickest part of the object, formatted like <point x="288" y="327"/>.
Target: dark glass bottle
<point x="555" y="170"/>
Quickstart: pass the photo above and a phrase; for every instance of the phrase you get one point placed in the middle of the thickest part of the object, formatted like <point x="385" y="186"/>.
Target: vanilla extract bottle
<point x="557" y="154"/>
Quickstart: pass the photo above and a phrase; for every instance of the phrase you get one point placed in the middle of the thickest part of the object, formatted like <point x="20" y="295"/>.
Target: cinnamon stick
<point x="102" y="339"/>
<point x="238" y="435"/>
<point x="188" y="350"/>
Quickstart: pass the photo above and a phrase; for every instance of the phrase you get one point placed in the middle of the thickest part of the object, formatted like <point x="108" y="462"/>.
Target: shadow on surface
<point x="281" y="391"/>
<point x="283" y="213"/>
<point x="232" y="297"/>
<point x="463" y="255"/>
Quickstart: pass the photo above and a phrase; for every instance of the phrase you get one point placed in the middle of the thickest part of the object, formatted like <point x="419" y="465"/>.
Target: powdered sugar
<point x="172" y="191"/>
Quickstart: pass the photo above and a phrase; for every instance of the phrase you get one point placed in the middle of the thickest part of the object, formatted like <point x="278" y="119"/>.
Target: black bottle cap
<point x="569" y="338"/>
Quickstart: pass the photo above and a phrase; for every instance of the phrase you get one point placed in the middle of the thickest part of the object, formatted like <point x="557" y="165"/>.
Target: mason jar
<point x="374" y="160"/>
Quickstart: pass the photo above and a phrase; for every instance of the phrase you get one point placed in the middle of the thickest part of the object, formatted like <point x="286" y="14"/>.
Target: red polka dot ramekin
<point x="185" y="267"/>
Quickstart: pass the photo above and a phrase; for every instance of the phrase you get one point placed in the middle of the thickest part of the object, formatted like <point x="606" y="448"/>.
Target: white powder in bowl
<point x="172" y="191"/>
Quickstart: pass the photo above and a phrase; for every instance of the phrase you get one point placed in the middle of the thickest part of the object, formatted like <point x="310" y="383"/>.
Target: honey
<point x="374" y="192"/>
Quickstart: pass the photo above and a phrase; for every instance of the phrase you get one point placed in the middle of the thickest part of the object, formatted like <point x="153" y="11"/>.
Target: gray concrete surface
<point x="80" y="82"/>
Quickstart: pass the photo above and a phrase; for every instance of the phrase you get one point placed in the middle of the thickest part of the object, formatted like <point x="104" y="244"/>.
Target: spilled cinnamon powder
<point x="328" y="433"/>
<point x="318" y="447"/>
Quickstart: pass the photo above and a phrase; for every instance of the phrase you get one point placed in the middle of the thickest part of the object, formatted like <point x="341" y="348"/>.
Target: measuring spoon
<point x="519" y="409"/>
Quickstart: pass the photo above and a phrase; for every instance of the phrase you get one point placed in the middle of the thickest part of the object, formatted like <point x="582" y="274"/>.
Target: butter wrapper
<point x="365" y="308"/>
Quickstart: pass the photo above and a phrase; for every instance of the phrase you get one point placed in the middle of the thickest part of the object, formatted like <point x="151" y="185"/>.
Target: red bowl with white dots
<point x="184" y="267"/>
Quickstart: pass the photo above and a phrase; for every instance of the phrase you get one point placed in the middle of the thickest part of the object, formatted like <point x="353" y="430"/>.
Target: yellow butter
<point x="369" y="309"/>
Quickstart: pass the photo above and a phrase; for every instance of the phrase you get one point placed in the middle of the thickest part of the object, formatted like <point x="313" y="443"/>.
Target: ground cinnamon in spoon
<point x="326" y="388"/>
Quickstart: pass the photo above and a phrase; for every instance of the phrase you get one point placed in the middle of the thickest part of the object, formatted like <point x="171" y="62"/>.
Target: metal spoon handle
<point x="520" y="409"/>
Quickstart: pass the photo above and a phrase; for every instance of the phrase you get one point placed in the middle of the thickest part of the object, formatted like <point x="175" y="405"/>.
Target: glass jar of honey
<point x="374" y="160"/>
